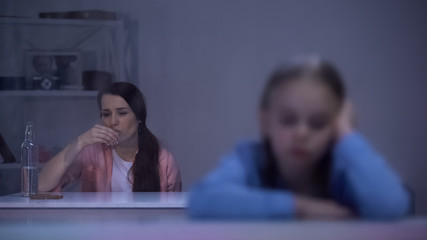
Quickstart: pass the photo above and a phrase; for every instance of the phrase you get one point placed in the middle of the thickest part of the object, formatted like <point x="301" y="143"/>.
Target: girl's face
<point x="116" y="114"/>
<point x="299" y="123"/>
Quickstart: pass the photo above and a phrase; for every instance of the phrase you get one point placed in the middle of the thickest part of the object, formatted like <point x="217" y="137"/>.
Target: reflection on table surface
<point x="183" y="228"/>
<point x="162" y="216"/>
<point x="99" y="200"/>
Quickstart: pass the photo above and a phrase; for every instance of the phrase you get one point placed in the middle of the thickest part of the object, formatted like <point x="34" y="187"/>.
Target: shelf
<point x="48" y="93"/>
<point x="61" y="22"/>
<point x="10" y="165"/>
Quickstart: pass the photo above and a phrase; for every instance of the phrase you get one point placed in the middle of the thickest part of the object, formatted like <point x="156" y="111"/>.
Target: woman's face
<point x="116" y="114"/>
<point x="299" y="123"/>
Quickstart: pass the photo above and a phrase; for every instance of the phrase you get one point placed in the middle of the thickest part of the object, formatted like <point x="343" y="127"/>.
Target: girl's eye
<point x="105" y="115"/>
<point x="122" y="113"/>
<point x="317" y="124"/>
<point x="288" y="121"/>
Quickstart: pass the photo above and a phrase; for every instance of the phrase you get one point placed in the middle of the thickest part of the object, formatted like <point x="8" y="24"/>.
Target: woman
<point x="310" y="162"/>
<point x="120" y="155"/>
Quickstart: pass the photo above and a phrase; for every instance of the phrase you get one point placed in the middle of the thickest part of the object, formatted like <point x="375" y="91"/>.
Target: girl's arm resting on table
<point x="224" y="194"/>
<point x="366" y="181"/>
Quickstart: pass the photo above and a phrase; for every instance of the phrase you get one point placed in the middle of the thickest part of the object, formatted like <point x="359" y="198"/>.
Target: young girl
<point x="122" y="155"/>
<point x="310" y="162"/>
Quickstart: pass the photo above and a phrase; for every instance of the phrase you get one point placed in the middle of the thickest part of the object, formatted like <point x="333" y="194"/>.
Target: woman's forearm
<point x="53" y="171"/>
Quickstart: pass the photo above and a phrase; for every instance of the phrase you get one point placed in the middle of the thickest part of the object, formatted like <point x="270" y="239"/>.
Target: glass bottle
<point x="29" y="160"/>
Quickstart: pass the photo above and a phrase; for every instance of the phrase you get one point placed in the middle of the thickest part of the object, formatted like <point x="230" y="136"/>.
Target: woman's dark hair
<point x="145" y="169"/>
<point x="314" y="68"/>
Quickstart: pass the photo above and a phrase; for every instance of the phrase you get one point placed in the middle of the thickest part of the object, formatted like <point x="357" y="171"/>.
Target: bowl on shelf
<point x="96" y="80"/>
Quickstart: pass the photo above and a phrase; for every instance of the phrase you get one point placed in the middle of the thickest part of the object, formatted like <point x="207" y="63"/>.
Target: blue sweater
<point x="360" y="179"/>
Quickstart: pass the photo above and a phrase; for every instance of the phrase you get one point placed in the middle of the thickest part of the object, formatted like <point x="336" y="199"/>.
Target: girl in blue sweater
<point x="310" y="161"/>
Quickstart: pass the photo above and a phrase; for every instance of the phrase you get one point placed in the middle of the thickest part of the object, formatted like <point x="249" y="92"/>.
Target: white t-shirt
<point x="119" y="179"/>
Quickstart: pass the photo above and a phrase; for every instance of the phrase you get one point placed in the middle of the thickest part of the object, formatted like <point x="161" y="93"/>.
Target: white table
<point x="102" y="206"/>
<point x="162" y="216"/>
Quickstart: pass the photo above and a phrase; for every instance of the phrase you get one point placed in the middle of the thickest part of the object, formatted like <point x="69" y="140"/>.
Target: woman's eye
<point x="105" y="115"/>
<point x="122" y="113"/>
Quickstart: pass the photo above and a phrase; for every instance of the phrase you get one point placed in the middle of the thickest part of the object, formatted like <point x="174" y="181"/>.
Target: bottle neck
<point x="29" y="136"/>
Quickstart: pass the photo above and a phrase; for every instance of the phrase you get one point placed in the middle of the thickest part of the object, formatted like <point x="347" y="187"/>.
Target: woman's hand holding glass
<point x="98" y="134"/>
